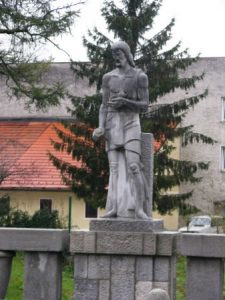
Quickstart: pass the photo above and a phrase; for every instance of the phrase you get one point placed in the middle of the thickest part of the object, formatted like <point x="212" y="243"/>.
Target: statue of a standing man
<point x="125" y="95"/>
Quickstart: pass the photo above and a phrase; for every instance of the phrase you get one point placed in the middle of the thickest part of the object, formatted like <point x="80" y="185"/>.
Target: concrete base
<point x="127" y="225"/>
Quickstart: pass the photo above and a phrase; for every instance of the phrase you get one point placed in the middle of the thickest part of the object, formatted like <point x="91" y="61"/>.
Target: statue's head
<point x="121" y="51"/>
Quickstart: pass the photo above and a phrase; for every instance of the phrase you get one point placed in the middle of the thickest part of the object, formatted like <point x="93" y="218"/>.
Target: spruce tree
<point x="25" y="25"/>
<point x="132" y="22"/>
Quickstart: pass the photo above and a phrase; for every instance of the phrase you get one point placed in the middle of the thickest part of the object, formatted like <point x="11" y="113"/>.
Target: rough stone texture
<point x="5" y="271"/>
<point x="166" y="243"/>
<point x="161" y="269"/>
<point x="204" y="278"/>
<point x="42" y="276"/>
<point x="123" y="278"/>
<point x="86" y="289"/>
<point x="149" y="244"/>
<point x="142" y="290"/>
<point x="147" y="154"/>
<point x="144" y="268"/>
<point x="24" y="239"/>
<point x="104" y="290"/>
<point x="98" y="267"/>
<point x="158" y="294"/>
<point x="80" y="266"/>
<point x="129" y="225"/>
<point x="119" y="243"/>
<point x="164" y="286"/>
<point x="82" y="242"/>
<point x="201" y="245"/>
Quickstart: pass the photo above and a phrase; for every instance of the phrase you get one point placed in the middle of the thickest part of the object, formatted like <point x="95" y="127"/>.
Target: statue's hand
<point x="97" y="133"/>
<point x="116" y="103"/>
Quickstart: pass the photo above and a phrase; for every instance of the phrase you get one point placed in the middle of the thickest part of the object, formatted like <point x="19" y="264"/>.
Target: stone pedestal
<point x="119" y="265"/>
<point x="5" y="271"/>
<point x="126" y="225"/>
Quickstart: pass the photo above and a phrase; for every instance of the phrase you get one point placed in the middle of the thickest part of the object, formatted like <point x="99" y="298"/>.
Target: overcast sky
<point x="200" y="25"/>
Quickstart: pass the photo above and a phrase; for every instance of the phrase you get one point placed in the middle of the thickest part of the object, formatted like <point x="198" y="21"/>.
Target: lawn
<point x="15" y="290"/>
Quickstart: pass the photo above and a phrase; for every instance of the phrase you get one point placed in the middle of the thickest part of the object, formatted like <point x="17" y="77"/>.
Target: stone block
<point x="204" y="278"/>
<point x="143" y="289"/>
<point x="80" y="266"/>
<point x="144" y="269"/>
<point x="127" y="225"/>
<point x="5" y="271"/>
<point x="200" y="245"/>
<point x="165" y="243"/>
<point x="43" y="276"/>
<point x="86" y="289"/>
<point x="83" y="242"/>
<point x="122" y="278"/>
<point x="104" y="290"/>
<point x="161" y="269"/>
<point x="119" y="243"/>
<point x="149" y="244"/>
<point x="24" y="239"/>
<point x="162" y="285"/>
<point x="98" y="267"/>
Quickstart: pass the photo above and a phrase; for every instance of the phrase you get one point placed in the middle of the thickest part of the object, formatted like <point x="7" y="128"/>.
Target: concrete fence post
<point x="43" y="259"/>
<point x="5" y="271"/>
<point x="205" y="265"/>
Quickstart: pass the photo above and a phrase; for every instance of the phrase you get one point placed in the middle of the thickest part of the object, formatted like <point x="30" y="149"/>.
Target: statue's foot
<point x="141" y="215"/>
<point x="111" y="214"/>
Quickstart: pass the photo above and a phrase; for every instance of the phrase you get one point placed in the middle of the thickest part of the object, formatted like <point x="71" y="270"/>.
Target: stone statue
<point x="125" y="95"/>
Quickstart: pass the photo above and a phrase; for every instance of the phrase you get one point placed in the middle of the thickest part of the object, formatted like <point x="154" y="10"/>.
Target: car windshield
<point x="200" y="222"/>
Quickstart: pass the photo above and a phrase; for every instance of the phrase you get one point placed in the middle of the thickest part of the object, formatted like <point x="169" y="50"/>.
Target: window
<point x="223" y="109"/>
<point x="222" y="160"/>
<point x="90" y="211"/>
<point x="46" y="204"/>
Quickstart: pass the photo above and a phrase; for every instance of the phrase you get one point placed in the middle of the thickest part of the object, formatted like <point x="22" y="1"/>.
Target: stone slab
<point x="205" y="278"/>
<point x="127" y="225"/>
<point x="86" y="289"/>
<point x="80" y="266"/>
<point x="123" y="278"/>
<point x="24" y="239"/>
<point x="99" y="267"/>
<point x="144" y="269"/>
<point x="204" y="245"/>
<point x="43" y="276"/>
<point x="82" y="242"/>
<point x="166" y="243"/>
<point x="143" y="289"/>
<point x="128" y="243"/>
<point x="104" y="290"/>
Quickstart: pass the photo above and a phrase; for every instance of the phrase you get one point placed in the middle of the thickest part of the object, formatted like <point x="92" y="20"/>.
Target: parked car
<point x="199" y="224"/>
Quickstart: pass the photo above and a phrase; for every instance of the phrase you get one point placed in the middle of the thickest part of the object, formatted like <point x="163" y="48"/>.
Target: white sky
<point x="200" y="26"/>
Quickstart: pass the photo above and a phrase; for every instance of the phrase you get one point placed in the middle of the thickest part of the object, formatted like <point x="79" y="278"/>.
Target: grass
<point x="180" y="278"/>
<point x="15" y="289"/>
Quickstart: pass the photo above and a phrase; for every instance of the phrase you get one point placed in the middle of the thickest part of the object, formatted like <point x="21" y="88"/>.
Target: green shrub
<point x="10" y="217"/>
<point x="45" y="219"/>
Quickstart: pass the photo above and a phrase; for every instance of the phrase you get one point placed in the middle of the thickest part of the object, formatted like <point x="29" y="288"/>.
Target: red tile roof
<point x="24" y="155"/>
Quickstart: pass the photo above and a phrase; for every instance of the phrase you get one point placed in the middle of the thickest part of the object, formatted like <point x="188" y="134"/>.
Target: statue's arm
<point x="98" y="132"/>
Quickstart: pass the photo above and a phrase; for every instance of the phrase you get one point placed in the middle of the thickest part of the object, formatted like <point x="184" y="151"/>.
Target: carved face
<point x="119" y="58"/>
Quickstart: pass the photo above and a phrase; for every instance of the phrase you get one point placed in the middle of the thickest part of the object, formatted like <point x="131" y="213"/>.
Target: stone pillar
<point x="205" y="265"/>
<point x="5" y="271"/>
<point x="122" y="265"/>
<point x="43" y="272"/>
<point x="43" y="259"/>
